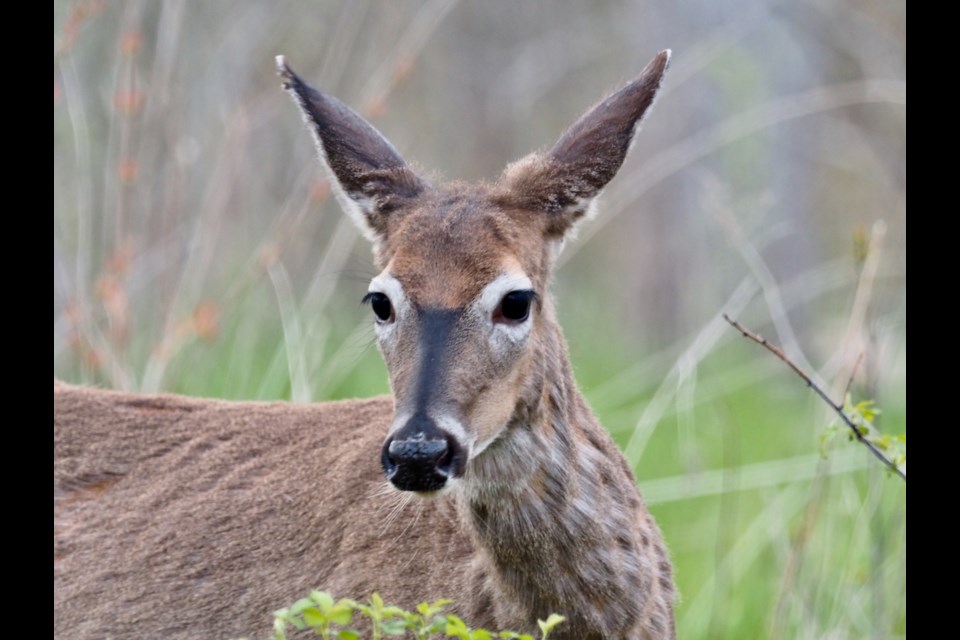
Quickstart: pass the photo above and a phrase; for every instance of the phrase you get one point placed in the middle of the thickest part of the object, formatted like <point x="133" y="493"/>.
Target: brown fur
<point x="184" y="518"/>
<point x="177" y="517"/>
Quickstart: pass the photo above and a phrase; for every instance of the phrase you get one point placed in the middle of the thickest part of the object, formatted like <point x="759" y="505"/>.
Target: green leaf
<point x="546" y="626"/>
<point x="323" y="599"/>
<point x="279" y="628"/>
<point x="314" y="617"/>
<point x="297" y="607"/>
<point x="456" y="627"/>
<point x="340" y="613"/>
<point x="438" y="624"/>
<point x="395" y="627"/>
<point x="348" y="634"/>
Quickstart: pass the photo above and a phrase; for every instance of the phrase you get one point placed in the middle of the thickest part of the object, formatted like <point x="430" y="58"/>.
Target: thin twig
<point x="772" y="348"/>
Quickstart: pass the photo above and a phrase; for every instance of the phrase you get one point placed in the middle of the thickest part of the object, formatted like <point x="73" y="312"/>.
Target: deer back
<point x="181" y="517"/>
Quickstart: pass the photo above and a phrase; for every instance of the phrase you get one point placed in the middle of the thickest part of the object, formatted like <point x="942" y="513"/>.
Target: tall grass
<point x="197" y="250"/>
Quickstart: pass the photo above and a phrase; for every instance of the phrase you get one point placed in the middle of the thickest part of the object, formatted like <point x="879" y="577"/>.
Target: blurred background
<point x="196" y="247"/>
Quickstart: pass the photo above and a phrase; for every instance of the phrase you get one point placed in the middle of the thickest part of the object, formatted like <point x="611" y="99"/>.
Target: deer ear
<point x="565" y="181"/>
<point x="368" y="176"/>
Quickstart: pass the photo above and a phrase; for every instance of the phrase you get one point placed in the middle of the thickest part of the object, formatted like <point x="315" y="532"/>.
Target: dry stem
<point x="775" y="350"/>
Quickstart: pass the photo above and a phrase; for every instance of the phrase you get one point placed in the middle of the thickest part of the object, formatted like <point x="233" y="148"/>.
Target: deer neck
<point x="554" y="511"/>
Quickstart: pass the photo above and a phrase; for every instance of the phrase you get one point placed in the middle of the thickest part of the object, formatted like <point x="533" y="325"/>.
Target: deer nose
<point x="421" y="456"/>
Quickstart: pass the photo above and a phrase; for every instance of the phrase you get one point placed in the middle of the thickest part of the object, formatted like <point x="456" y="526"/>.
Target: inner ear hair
<point x="368" y="176"/>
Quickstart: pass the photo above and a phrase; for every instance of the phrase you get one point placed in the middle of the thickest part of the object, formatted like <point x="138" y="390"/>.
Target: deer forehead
<point x="438" y="288"/>
<point x="446" y="257"/>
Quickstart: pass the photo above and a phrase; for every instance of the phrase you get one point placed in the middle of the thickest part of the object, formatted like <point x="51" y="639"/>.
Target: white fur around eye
<point x="390" y="287"/>
<point x="504" y="335"/>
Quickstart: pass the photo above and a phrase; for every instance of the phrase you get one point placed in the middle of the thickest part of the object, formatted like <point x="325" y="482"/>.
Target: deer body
<point x="177" y="517"/>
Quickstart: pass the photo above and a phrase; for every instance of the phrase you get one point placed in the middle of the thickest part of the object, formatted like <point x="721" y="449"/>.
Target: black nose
<point x="421" y="456"/>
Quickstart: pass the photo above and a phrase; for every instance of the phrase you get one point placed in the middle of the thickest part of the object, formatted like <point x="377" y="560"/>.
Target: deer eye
<point x="515" y="307"/>
<point x="381" y="306"/>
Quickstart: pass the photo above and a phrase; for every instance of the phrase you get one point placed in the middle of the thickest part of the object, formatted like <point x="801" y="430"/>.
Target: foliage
<point x="330" y="618"/>
<point x="863" y="414"/>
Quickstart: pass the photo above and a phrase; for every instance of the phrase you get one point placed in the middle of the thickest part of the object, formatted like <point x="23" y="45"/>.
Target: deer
<point x="484" y="477"/>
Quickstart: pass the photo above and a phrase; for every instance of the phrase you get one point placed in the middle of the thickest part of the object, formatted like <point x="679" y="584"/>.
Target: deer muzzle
<point x="421" y="456"/>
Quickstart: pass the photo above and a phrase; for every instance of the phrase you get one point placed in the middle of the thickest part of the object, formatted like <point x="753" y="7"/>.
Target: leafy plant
<point x="862" y="415"/>
<point x="330" y="618"/>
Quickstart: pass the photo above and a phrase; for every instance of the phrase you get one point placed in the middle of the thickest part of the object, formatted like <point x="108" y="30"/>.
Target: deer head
<point x="460" y="305"/>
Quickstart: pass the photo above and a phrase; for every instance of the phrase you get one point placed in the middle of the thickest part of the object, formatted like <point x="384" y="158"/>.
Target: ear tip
<point x="662" y="61"/>
<point x="285" y="72"/>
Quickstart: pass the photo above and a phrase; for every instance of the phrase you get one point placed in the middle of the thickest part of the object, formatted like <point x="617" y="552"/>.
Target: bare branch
<point x="847" y="420"/>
